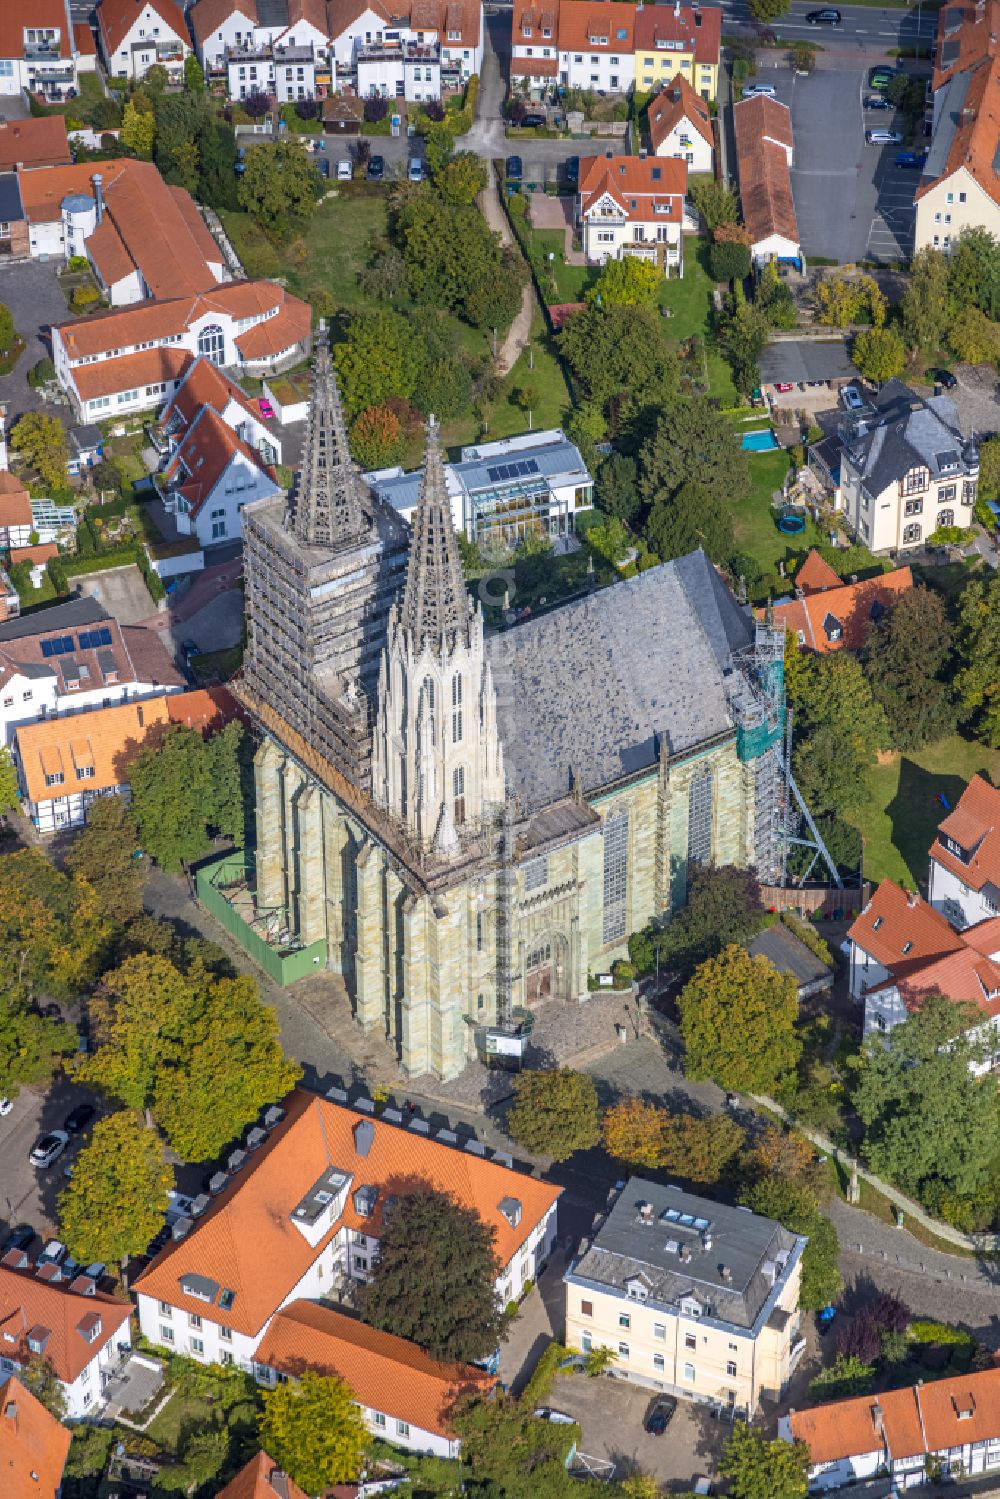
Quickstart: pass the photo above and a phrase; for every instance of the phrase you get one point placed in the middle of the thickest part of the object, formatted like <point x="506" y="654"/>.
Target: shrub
<point x="376" y="109"/>
<point x="947" y="536"/>
<point x="308" y="109"/>
<point x="434" y="110"/>
<point x="845" y="1376"/>
<point x="257" y="105"/>
<point x="888" y="1313"/>
<point x="79" y="263"/>
<point x="83" y="297"/>
<point x="859" y="1338"/>
<point x="623" y="973"/>
<point x="41" y="373"/>
<point x="923" y="1331"/>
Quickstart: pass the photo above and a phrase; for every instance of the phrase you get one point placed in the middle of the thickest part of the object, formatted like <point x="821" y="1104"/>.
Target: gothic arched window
<point x="615" y="874"/>
<point x="458" y="790"/>
<point x="429" y="692"/>
<point x="212" y="343"/>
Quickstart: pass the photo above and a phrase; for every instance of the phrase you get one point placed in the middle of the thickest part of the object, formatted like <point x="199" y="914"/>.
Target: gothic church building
<point x="465" y="818"/>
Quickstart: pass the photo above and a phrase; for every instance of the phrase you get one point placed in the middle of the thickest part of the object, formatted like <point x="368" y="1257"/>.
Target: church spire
<point x="435" y="602"/>
<point x="328" y="500"/>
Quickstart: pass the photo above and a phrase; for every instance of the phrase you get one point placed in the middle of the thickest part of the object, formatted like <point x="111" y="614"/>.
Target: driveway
<point x="977" y="396"/>
<point x="32" y="293"/>
<point x="122" y="591"/>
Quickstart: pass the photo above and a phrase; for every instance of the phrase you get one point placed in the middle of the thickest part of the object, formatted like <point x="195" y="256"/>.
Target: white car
<point x="6" y="1107"/>
<point x="883" y="137"/>
<point x="53" y="1254"/>
<point x="851" y="397"/>
<point x="345" y="171"/>
<point x="559" y="1418"/>
<point x="48" y="1148"/>
<point x="759" y="90"/>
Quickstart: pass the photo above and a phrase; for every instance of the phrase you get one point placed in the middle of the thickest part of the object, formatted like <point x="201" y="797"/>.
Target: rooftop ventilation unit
<point x="502" y="1158"/>
<point x="217" y="1182"/>
<point x="364" y="1105"/>
<point x="645" y="1210"/>
<point x="475" y="1147"/>
<point x="419" y="1126"/>
<point x="337" y="1095"/>
<point x="364" y="1136"/>
<point x="182" y="1227"/>
<point x="272" y="1116"/>
<point x="447" y="1137"/>
<point x="392" y="1116"/>
<point x="199" y="1204"/>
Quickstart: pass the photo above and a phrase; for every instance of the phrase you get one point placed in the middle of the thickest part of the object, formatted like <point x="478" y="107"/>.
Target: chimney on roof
<point x="726" y="1273"/>
<point x="878" y="1421"/>
<point x="364" y="1136"/>
<point x="912" y="898"/>
<point x="10" y="1413"/>
<point x="968" y="115"/>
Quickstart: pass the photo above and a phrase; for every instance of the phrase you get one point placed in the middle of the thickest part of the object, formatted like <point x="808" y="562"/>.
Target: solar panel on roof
<point x="46" y="648"/>
<point x="104" y="637"/>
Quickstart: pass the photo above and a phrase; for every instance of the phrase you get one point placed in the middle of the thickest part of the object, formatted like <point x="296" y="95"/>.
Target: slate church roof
<point x="590" y="686"/>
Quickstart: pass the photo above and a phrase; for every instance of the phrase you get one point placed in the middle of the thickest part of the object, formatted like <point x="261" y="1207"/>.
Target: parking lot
<point x="851" y="200"/>
<point x="29" y="1195"/>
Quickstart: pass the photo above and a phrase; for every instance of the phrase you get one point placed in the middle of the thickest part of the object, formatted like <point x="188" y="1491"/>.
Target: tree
<point x="759" y="1469"/>
<point x="201" y="1054"/>
<point x="117" y="1195"/>
<point x="313" y="1429"/>
<point x="723" y="906"/>
<point x="845" y="299"/>
<point x="928" y="1121"/>
<point x="433" y="1281"/>
<point x="376" y="439"/>
<point x="793" y="1202"/>
<point x="925" y="304"/>
<point x="138" y="131"/>
<point x="879" y="354"/>
<point x="10" y="797"/>
<point x="38" y="1376"/>
<point x="904" y="661"/>
<point x="974" y="271"/>
<point x="701" y="1149"/>
<point x="842" y="727"/>
<point x="729" y="260"/>
<point x="738" y="1022"/>
<point x="633" y="1133"/>
<point x="104" y="854"/>
<point x="689" y="519"/>
<point x="714" y="201"/>
<point x="508" y="1454"/>
<point x="693" y="444"/>
<point x="620" y="358"/>
<point x="41" y="441"/>
<point x="53" y="937"/>
<point x="439" y="147"/>
<point x="978" y="657"/>
<point x="453" y="259"/>
<point x="379" y="358"/>
<point x="628" y="282"/>
<point x="445" y="389"/>
<point x="462" y="180"/>
<point x="184" y="788"/>
<point x="279" y="187"/>
<point x="31" y="1045"/>
<point x="617" y="487"/>
<point x="8" y="333"/>
<point x="554" y="1112"/>
<point x="194" y="78"/>
<point x="989" y="468"/>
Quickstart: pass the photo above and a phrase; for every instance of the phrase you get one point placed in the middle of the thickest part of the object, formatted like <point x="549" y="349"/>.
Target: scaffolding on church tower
<point x="503" y="1044"/>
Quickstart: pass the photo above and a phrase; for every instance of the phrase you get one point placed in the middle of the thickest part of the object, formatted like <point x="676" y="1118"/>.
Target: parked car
<point x="783" y="387"/>
<point x="48" y="1148"/>
<point x="54" y="1253"/>
<point x="6" y="1107"/>
<point x="765" y="90"/>
<point x="415" y="171"/>
<point x="18" y="1238"/>
<point x="376" y="168"/>
<point x="559" y="1418"/>
<point x="883" y="137"/>
<point x="515" y="169"/>
<point x="265" y="408"/>
<point x="345" y="170"/>
<point x="823" y="17"/>
<point x="878" y="101"/>
<point x="534" y="122"/>
<point x="77" y="1119"/>
<point x="880" y="78"/>
<point x="911" y="158"/>
<point x="323" y="167"/>
<point x="703" y="1485"/>
<point x="573" y="169"/>
<point x="944" y="378"/>
<point x="851" y="397"/>
<point x="659" y="1415"/>
<point x="190" y="649"/>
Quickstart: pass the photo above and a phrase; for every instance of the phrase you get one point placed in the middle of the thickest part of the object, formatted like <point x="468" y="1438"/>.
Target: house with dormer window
<point x="629" y="205"/>
<point x="826" y="614"/>
<point x="597" y="46"/>
<point x="134" y="37"/>
<point x="693" y="1297"/>
<point x="298" y="1215"/>
<point x="680" y="124"/>
<point x="83" y="1333"/>
<point x="534" y="62"/>
<point x="42" y="50"/>
<point x="964" y="882"/>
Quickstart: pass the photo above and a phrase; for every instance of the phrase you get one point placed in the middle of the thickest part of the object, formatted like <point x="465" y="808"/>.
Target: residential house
<point x="261" y="1478"/>
<point x="73" y="657"/>
<point x="964" y="881"/>
<point x="34" y="143"/>
<point x="959" y="188"/>
<point x="210" y="475"/>
<point x="143" y="239"/>
<point x="34" y="1445"/>
<point x="534" y="63"/>
<point x="205" y="384"/>
<point x="65" y="764"/>
<point x="903" y="951"/>
<point x="80" y="1331"/>
<point x="136" y="34"/>
<point x="535" y="483"/>
<point x="683" y="40"/>
<point x="905" y="469"/>
<point x="406" y="1397"/>
<point x="217" y="26"/>
<point x="629" y="205"/>
<point x="950" y="1425"/>
<point x="301" y="1216"/>
<point x="692" y="1297"/>
<point x="438" y="45"/>
<point x="136" y="358"/>
<point x="39" y="49"/>
<point x="37" y="557"/>
<point x="16" y="523"/>
<point x="680" y="124"/>
<point x="764" y="150"/>
<point x="597" y="45"/>
<point x="827" y="614"/>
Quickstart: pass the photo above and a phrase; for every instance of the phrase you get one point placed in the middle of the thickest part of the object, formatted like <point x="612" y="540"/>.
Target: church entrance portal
<point x="545" y="975"/>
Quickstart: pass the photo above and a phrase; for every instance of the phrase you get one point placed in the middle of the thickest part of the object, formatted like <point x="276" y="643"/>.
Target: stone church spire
<point x="328" y="501"/>
<point x="435" y="602"/>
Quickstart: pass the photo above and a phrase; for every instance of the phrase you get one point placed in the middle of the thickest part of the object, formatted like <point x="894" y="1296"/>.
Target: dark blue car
<point x="911" y="158"/>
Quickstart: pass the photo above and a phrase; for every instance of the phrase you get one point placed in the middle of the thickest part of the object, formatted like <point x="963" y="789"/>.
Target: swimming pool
<point x="759" y="442"/>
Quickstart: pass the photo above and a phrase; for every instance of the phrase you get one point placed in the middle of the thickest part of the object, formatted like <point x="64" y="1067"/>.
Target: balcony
<point x="405" y="52"/>
<point x="42" y="52"/>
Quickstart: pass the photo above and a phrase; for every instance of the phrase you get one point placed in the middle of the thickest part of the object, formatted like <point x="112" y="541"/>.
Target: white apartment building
<point x="597" y="47"/>
<point x="135" y="36"/>
<point x="41" y="50"/>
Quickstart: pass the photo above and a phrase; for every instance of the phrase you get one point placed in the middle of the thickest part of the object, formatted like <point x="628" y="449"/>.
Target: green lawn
<point x="754" y="521"/>
<point x="690" y="301"/>
<point x="900" y="811"/>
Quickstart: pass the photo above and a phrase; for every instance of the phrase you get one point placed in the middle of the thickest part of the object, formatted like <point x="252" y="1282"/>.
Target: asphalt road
<point x="863" y="27"/>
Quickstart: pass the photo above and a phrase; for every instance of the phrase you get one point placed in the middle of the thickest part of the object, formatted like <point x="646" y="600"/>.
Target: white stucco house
<point x="629" y="205"/>
<point x="135" y="36"/>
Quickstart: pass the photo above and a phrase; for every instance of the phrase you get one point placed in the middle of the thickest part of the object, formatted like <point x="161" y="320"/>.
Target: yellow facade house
<point x="693" y="1297"/>
<point x="683" y="40"/>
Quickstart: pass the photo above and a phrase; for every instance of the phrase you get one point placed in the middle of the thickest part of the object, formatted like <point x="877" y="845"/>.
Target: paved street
<point x="36" y="301"/>
<point x="864" y="29"/>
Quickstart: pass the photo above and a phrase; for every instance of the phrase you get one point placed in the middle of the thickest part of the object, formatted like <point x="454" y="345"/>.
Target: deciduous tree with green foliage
<point x="620" y="358"/>
<point x="974" y="338"/>
<point x="714" y="201"/>
<point x="977" y="652"/>
<point x="194" y="78"/>
<point x="202" y="1055"/>
<point x="738" y="1022"/>
<point x="138" y="130"/>
<point x="648" y="1137"/>
<point x="844" y="299"/>
<point x="104" y="854"/>
<point x="759" y="1469"/>
<point x="8" y="333"/>
<point x="694" y="444"/>
<point x="508" y="1454"/>
<point x="312" y="1428"/>
<point x="41" y="442"/>
<point x="10" y="798"/>
<point x="628" y="282"/>
<point x="462" y="180"/>
<point x="989" y="468"/>
<point x="554" y="1112"/>
<point x="185" y="788"/>
<point x="841" y="727"/>
<point x="729" y="260"/>
<point x="742" y="334"/>
<point x="723" y="906"/>
<point x="38" y="1376"/>
<point x="925" y="304"/>
<point x="376" y="438"/>
<point x="434" y="1278"/>
<point x="690" y="518"/>
<point x="879" y="354"/>
<point x="53" y="935"/>
<point x="378" y="359"/>
<point x="117" y="1195"/>
<point x="279" y="187"/>
<point x="905" y="661"/>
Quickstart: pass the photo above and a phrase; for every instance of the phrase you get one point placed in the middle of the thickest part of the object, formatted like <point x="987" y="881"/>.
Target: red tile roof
<point x="83" y="39"/>
<point x="968" y="34"/>
<point x="929" y="1417"/>
<point x="582" y="24"/>
<point x="151" y="367"/>
<point x="678" y="101"/>
<point x="531" y="21"/>
<point x="34" y="1446"/>
<point x="208" y="15"/>
<point x="895" y="917"/>
<point x="975" y="826"/>
<point x="974" y="143"/>
<point x="248" y="1242"/>
<point x="15" y="502"/>
<point x="33" y="554"/>
<point x="257" y="1479"/>
<point x="52" y="1313"/>
<point x="848" y="605"/>
<point x="115" y="19"/>
<point x="144" y="321"/>
<point x="276" y="335"/>
<point x="203" y="454"/>
<point x="204" y="384"/>
<point x="638" y="185"/>
<point x="814" y="575"/>
<point x="386" y="1373"/>
<point x="763" y="130"/>
<point x="15" y="15"/>
<point x="534" y="67"/>
<point x="699" y="31"/>
<point x="34" y="143"/>
<point x="342" y="14"/>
